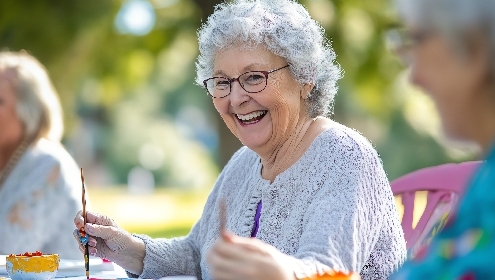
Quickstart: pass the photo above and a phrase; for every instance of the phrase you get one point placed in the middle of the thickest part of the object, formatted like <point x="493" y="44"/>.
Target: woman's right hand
<point x="108" y="241"/>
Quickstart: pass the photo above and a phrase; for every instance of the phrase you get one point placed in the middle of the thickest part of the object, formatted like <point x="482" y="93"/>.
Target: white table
<point x="75" y="269"/>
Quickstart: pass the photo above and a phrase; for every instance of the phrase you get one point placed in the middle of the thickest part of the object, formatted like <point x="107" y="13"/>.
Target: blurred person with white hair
<point x="450" y="46"/>
<point x="39" y="186"/>
<point x="304" y="195"/>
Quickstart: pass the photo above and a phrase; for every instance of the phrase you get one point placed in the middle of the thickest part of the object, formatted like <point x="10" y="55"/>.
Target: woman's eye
<point x="255" y="78"/>
<point x="221" y="83"/>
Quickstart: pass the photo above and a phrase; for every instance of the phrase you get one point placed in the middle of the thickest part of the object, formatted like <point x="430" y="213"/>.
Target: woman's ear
<point x="306" y="90"/>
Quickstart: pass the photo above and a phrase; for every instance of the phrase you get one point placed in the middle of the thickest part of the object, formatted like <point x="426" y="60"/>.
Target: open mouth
<point x="252" y="117"/>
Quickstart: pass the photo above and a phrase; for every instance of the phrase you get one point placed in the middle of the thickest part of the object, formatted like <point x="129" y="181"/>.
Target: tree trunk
<point x="228" y="143"/>
<point x="207" y="7"/>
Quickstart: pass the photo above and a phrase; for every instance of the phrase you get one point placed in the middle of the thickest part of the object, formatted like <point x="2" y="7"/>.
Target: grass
<point x="164" y="213"/>
<point x="169" y="212"/>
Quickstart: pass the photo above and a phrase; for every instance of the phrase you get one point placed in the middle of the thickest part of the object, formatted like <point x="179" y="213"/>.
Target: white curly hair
<point x="457" y="20"/>
<point x="38" y="105"/>
<point x="286" y="29"/>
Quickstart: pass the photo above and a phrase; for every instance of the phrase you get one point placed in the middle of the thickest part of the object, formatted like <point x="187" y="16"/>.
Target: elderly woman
<point x="304" y="195"/>
<point x="38" y="178"/>
<point x="451" y="50"/>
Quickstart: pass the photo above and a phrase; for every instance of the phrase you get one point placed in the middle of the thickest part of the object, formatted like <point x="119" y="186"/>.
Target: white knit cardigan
<point x="332" y="209"/>
<point x="38" y="202"/>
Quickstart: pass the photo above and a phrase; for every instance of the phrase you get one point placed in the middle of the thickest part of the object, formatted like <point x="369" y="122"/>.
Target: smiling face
<point x="265" y="120"/>
<point x="455" y="81"/>
<point x="12" y="128"/>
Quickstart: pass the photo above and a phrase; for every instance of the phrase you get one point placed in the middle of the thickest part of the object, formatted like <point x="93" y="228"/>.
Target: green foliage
<point x="131" y="87"/>
<point x="135" y="89"/>
<point x="169" y="232"/>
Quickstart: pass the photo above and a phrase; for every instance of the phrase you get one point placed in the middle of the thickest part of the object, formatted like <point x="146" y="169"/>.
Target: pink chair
<point x="444" y="183"/>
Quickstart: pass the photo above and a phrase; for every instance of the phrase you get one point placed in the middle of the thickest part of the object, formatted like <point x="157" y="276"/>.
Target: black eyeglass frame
<point x="231" y="80"/>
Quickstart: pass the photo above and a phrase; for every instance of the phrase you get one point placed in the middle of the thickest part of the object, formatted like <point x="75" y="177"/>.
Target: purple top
<point x="256" y="220"/>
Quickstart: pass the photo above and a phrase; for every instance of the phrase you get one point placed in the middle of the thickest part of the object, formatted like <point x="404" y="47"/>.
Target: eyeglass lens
<point x="251" y="82"/>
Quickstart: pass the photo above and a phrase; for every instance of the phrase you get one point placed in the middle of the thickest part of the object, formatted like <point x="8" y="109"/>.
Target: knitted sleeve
<point x="41" y="206"/>
<point x="25" y="219"/>
<point x="344" y="223"/>
<point x="174" y="256"/>
<point x="178" y="256"/>
<point x="165" y="257"/>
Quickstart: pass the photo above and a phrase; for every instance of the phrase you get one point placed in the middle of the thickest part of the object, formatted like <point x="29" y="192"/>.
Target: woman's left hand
<point x="234" y="257"/>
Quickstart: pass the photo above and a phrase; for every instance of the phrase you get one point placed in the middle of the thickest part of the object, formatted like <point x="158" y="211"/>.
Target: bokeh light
<point x="136" y="17"/>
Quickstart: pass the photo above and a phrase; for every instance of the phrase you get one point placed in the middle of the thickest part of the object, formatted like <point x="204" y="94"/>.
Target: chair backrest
<point x="442" y="183"/>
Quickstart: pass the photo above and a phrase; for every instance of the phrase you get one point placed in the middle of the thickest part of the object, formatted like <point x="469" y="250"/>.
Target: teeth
<point x="250" y="115"/>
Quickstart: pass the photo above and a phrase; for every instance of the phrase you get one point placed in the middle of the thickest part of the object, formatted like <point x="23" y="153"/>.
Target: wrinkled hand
<point x="108" y="241"/>
<point x="234" y="257"/>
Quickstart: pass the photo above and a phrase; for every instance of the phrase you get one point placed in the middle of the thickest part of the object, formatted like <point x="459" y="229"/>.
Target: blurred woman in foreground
<point x="452" y="57"/>
<point x="39" y="185"/>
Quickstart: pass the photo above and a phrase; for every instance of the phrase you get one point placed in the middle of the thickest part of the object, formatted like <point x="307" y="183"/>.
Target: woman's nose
<point x="237" y="94"/>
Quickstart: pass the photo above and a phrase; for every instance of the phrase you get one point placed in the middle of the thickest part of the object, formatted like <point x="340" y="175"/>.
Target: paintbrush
<point x="86" y="249"/>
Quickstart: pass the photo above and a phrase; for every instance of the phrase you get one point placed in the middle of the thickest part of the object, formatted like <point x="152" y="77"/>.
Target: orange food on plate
<point x="32" y="266"/>
<point x="333" y="275"/>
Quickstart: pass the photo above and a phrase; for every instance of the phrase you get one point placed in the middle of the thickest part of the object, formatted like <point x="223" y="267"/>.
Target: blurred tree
<point x="137" y="92"/>
<point x="95" y="69"/>
<point x="59" y="33"/>
<point x="207" y="7"/>
<point x="228" y="143"/>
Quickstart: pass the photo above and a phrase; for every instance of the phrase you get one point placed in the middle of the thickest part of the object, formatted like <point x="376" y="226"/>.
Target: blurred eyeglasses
<point x="252" y="82"/>
<point x="402" y="42"/>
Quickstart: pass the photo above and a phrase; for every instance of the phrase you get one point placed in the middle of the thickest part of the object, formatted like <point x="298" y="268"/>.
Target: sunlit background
<point x="149" y="139"/>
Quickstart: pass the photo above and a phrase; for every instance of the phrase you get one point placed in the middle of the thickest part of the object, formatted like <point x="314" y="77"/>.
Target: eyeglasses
<point x="402" y="42"/>
<point x="252" y="82"/>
